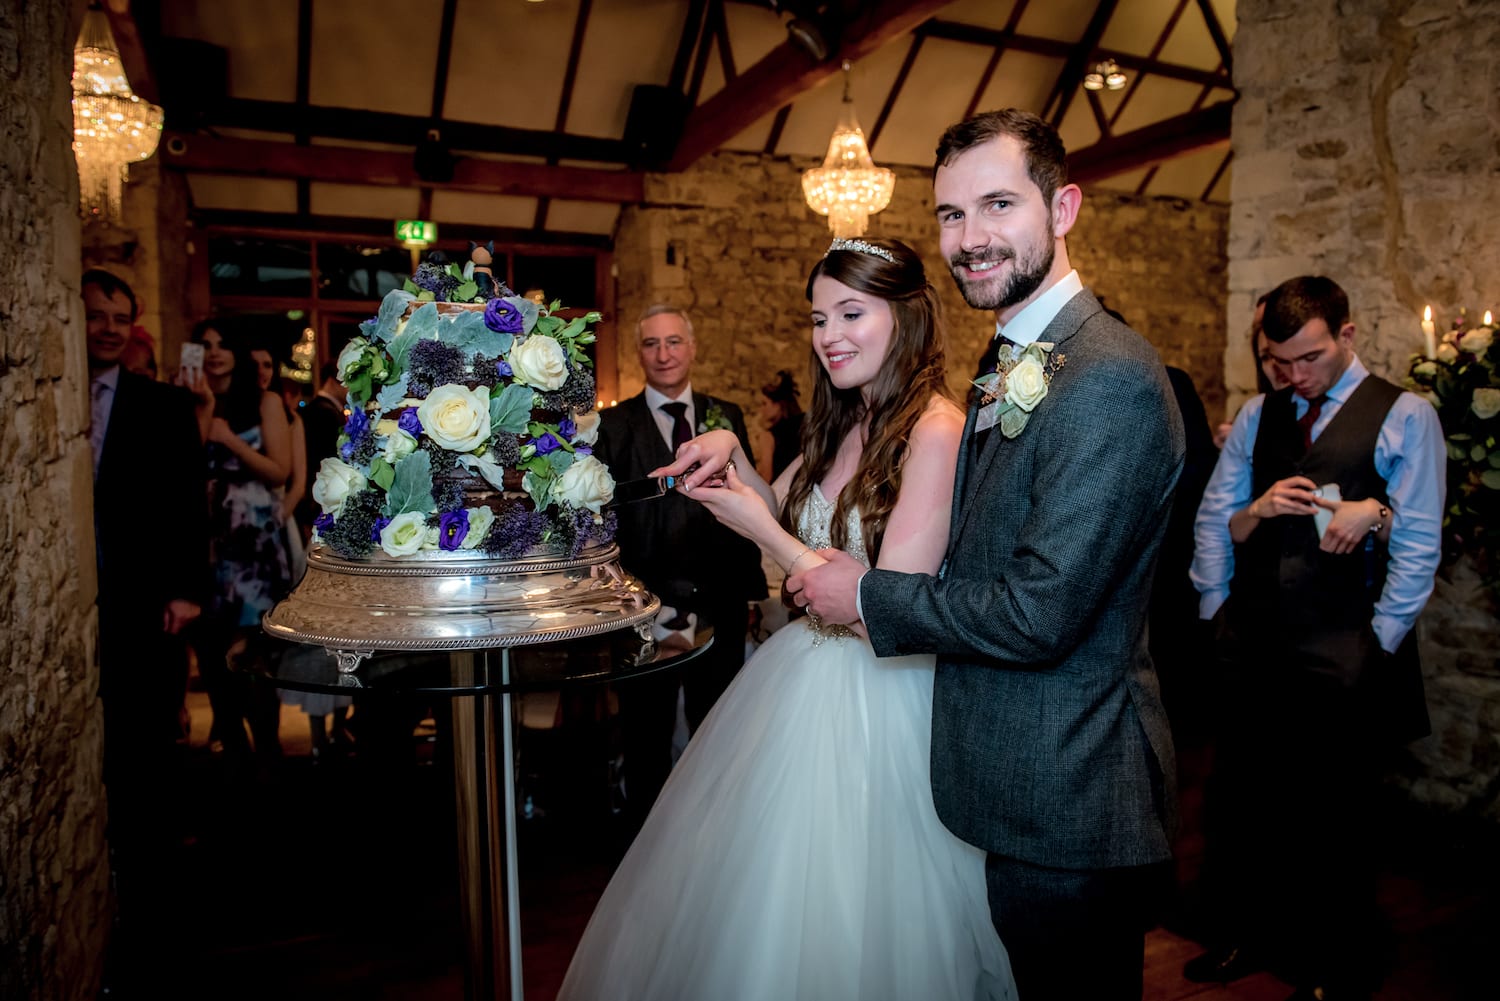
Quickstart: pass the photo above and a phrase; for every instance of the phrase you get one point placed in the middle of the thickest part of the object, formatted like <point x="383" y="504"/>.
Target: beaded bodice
<point x="815" y="529"/>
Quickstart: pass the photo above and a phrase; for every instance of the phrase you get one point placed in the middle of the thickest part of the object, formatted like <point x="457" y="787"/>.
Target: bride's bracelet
<point x="797" y="559"/>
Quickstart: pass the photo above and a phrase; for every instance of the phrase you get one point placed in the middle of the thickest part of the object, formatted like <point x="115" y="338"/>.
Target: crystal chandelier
<point x="112" y="128"/>
<point x="848" y="188"/>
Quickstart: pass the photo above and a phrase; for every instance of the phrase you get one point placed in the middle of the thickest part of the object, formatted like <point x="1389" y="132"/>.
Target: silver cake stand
<point x="482" y="613"/>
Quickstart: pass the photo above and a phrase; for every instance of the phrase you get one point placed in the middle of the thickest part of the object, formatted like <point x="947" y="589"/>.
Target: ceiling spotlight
<point x="1104" y="76"/>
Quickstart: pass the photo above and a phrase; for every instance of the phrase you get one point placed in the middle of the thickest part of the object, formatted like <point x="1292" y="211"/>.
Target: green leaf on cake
<point x="391" y="396"/>
<point x="467" y="333"/>
<point x="392" y="308"/>
<point x="382" y="473"/>
<point x="511" y="409"/>
<point x="465" y="292"/>
<point x="423" y="325"/>
<point x="560" y="461"/>
<point x="411" y="486"/>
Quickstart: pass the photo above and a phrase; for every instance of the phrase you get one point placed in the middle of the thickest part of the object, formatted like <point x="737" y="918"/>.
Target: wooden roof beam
<point x="409" y="130"/>
<point x="1166" y="140"/>
<point x="788" y="71"/>
<point x="132" y="50"/>
<point x="991" y="37"/>
<point x="340" y="165"/>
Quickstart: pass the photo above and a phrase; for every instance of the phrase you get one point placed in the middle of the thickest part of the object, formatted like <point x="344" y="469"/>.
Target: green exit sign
<point x="416" y="233"/>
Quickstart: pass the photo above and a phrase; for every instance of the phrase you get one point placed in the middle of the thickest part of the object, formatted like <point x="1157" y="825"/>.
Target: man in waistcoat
<point x="1313" y="609"/>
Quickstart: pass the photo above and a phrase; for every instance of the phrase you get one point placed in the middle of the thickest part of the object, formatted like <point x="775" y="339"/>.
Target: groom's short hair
<point x="1046" y="157"/>
<point x="1296" y="302"/>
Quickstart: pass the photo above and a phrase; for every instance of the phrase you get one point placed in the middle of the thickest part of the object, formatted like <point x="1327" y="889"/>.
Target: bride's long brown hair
<point x="910" y="376"/>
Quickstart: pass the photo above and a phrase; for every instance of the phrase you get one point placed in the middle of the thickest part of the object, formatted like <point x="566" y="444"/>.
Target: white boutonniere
<point x="1016" y="386"/>
<point x="715" y="419"/>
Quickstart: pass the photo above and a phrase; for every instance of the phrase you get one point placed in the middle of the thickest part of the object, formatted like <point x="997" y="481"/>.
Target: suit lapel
<point x="119" y="416"/>
<point x="1064" y="325"/>
<point x="651" y="451"/>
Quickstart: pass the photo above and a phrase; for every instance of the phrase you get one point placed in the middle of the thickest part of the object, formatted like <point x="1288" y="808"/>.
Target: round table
<point x="480" y="684"/>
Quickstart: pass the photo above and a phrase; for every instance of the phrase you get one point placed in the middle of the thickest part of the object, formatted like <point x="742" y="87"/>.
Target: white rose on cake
<point x="1026" y="384"/>
<point x="336" y="482"/>
<point x="405" y="534"/>
<point x="587" y="425"/>
<point x="586" y="483"/>
<point x="456" y="418"/>
<point x="480" y="520"/>
<point x="349" y="357"/>
<point x="540" y="361"/>
<point x="398" y="445"/>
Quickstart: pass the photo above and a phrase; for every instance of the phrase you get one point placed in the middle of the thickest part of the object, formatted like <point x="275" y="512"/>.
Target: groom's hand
<point x="830" y="591"/>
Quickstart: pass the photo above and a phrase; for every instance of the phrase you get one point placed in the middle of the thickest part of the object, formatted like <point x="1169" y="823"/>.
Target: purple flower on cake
<point x="503" y="318"/>
<point x="547" y="443"/>
<point x="453" y="528"/>
<point x="503" y="367"/>
<point x="410" y="422"/>
<point x="380" y="522"/>
<point x="322" y="523"/>
<point x="583" y="450"/>
<point x="567" y="428"/>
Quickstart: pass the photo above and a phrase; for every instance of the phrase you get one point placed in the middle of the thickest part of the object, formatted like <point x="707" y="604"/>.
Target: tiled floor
<point x="336" y="880"/>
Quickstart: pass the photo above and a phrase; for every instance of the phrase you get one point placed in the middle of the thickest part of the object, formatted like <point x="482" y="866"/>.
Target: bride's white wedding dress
<point x="795" y="852"/>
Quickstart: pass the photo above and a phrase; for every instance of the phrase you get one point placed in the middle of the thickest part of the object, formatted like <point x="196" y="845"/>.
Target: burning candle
<point x="1429" y="332"/>
<point x="1488" y="319"/>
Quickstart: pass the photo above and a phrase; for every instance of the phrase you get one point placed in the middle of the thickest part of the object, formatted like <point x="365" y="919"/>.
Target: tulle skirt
<point x="795" y="852"/>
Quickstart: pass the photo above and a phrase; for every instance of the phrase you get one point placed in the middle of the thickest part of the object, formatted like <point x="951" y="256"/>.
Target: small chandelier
<point x="848" y="188"/>
<point x="112" y="128"/>
<point x="1104" y="76"/>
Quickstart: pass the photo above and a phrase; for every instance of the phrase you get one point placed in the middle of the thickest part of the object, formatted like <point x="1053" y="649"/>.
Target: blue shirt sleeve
<point x="1411" y="456"/>
<point x="1228" y="490"/>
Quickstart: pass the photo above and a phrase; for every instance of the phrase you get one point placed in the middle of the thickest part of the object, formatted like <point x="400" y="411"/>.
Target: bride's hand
<point x="737" y="505"/>
<point x="710" y="452"/>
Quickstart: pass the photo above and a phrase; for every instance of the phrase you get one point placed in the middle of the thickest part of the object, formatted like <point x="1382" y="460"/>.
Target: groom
<point x="1050" y="748"/>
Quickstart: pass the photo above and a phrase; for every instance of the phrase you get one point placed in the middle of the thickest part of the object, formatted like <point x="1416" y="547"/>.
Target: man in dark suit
<point x="1050" y="747"/>
<point x="703" y="572"/>
<point x="150" y="530"/>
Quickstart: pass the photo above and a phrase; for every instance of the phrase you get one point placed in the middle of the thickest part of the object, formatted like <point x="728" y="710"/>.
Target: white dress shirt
<point x="1409" y="454"/>
<point x="655" y="399"/>
<point x="102" y="390"/>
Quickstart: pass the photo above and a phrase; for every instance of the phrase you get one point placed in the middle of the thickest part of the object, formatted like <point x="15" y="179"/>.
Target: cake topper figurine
<point x="482" y="256"/>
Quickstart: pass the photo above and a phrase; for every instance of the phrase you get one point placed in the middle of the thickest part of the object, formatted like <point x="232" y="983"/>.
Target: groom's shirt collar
<point x="1026" y="327"/>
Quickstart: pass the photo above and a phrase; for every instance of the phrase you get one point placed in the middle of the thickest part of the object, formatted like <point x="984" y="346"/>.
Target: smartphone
<point x="191" y="362"/>
<point x="1323" y="516"/>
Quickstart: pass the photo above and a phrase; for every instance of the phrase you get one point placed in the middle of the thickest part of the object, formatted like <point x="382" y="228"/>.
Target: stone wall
<point x="1364" y="149"/>
<point x="53" y="874"/>
<point x="732" y="241"/>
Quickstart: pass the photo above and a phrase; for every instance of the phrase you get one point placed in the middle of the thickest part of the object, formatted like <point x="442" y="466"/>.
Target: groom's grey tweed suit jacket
<point x="1049" y="741"/>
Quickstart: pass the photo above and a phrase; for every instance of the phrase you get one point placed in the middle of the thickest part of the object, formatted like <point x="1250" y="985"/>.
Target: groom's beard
<point x="1028" y="270"/>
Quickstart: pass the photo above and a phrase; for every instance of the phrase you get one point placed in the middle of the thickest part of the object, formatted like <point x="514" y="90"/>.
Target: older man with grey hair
<point x="703" y="572"/>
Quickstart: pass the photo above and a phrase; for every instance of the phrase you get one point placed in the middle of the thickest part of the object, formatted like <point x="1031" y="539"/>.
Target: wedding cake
<point x="471" y="421"/>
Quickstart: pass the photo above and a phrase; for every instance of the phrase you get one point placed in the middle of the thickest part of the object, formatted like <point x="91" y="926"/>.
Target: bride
<point x="795" y="851"/>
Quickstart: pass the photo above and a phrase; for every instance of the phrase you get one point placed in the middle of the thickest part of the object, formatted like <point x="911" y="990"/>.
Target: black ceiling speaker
<point x="433" y="161"/>
<point x="812" y="27"/>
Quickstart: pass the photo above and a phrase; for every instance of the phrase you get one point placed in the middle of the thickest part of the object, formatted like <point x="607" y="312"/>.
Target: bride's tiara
<point x="862" y="247"/>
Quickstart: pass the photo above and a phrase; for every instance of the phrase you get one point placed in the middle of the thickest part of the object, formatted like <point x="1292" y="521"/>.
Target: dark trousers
<point x="1288" y="828"/>
<point x="648" y="706"/>
<point x="1074" y="933"/>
